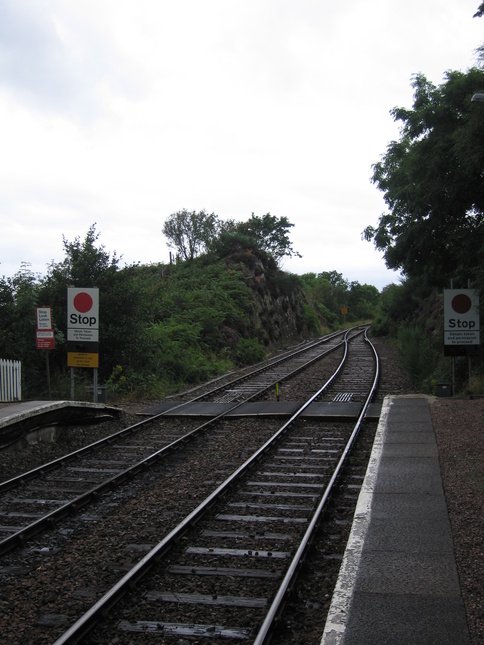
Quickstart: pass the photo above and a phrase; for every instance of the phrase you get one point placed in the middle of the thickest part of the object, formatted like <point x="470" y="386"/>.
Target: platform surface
<point x="18" y="419"/>
<point x="13" y="412"/>
<point x="398" y="582"/>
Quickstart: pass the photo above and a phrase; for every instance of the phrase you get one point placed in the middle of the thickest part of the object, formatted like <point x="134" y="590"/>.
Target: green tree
<point x="190" y="233"/>
<point x="7" y="315"/>
<point x="230" y="239"/>
<point x="431" y="179"/>
<point x="362" y="301"/>
<point x="328" y="291"/>
<point x="85" y="263"/>
<point x="122" y="301"/>
<point x="19" y="297"/>
<point x="270" y="234"/>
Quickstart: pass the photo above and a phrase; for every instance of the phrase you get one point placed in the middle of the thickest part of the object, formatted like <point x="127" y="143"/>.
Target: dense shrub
<point x="249" y="351"/>
<point x="417" y="356"/>
<point x="162" y="326"/>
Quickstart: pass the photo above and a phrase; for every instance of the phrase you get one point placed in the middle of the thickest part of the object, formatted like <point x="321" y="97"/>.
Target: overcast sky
<point x="121" y="112"/>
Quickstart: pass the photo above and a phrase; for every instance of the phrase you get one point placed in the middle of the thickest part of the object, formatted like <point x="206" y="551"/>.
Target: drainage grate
<point x="343" y="396"/>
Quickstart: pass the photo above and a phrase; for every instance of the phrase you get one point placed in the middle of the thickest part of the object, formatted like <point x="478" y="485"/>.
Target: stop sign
<point x="83" y="314"/>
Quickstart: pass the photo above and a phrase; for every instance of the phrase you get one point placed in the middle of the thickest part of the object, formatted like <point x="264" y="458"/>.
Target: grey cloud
<point x="49" y="74"/>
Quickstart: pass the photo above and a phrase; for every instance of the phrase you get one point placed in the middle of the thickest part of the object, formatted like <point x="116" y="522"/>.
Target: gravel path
<point x="459" y="425"/>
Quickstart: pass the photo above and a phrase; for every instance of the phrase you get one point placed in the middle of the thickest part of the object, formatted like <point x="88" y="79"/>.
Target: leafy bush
<point x="249" y="351"/>
<point x="284" y="284"/>
<point x="417" y="355"/>
<point x="118" y="382"/>
<point x="310" y="318"/>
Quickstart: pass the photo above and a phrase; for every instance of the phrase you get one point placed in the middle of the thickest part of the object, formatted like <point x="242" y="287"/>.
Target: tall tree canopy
<point x="433" y="182"/>
<point x="189" y="232"/>
<point x="192" y="233"/>
<point x="269" y="233"/>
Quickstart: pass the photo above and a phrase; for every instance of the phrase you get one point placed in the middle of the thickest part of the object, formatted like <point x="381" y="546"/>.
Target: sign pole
<point x="47" y="369"/>
<point x="83" y="332"/>
<point x="72" y="384"/>
<point x="45" y="338"/>
<point x="453" y="375"/>
<point x="452" y="360"/>
<point x="461" y="325"/>
<point x="453" y="357"/>
<point x="94" y="383"/>
<point x="469" y="358"/>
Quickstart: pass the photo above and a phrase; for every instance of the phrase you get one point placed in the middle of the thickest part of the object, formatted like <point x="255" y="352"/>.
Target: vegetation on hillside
<point x="224" y="303"/>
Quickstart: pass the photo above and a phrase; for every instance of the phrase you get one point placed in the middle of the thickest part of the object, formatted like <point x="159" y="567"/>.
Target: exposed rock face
<point x="280" y="313"/>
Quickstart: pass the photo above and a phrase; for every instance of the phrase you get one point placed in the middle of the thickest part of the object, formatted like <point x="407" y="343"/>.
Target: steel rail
<point x="267" y="365"/>
<point x="73" y="506"/>
<point x="9" y="484"/>
<point x="128" y="582"/>
<point x="264" y="634"/>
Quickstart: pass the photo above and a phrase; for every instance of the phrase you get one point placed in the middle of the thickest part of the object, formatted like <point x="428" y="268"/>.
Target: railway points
<point x="403" y="447"/>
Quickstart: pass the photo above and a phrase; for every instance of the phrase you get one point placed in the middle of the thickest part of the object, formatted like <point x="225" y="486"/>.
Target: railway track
<point x="37" y="500"/>
<point x="255" y="527"/>
<point x="226" y="570"/>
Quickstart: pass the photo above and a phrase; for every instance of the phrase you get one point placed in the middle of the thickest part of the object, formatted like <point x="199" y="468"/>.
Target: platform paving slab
<point x="398" y="583"/>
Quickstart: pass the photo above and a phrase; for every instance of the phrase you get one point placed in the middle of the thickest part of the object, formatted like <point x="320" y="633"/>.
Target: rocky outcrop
<point x="281" y="313"/>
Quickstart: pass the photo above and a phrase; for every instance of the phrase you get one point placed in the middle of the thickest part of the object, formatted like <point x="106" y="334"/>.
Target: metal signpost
<point x="461" y="325"/>
<point x="45" y="337"/>
<point x="83" y="331"/>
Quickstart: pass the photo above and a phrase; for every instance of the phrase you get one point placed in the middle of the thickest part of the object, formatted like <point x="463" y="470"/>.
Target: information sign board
<point x="45" y="339"/>
<point x="461" y="317"/>
<point x="82" y="359"/>
<point x="44" y="318"/>
<point x="83" y="315"/>
<point x="82" y="327"/>
<point x="45" y="333"/>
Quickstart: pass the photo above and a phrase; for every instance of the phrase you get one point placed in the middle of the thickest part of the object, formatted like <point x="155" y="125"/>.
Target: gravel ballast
<point x="458" y="425"/>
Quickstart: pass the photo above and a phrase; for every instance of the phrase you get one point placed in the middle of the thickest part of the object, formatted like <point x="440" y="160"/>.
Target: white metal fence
<point x="10" y="380"/>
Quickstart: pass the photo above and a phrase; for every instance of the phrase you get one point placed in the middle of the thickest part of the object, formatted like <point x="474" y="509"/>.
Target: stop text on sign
<point x="83" y="321"/>
<point x="455" y="323"/>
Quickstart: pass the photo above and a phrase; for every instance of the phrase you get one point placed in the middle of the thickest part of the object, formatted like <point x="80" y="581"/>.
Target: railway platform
<point x="398" y="581"/>
<point x="19" y="419"/>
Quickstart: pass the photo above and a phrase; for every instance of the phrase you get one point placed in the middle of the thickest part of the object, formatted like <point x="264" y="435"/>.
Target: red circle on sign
<point x="461" y="303"/>
<point x="83" y="302"/>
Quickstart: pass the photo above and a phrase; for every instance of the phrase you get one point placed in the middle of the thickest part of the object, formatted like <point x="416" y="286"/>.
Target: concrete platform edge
<point x="339" y="610"/>
<point x="19" y="412"/>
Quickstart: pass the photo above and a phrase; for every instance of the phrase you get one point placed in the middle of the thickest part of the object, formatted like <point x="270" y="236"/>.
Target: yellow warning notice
<point x="82" y="359"/>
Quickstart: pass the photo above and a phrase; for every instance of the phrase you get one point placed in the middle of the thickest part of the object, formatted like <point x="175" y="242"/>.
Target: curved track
<point x="36" y="500"/>
<point x="224" y="572"/>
